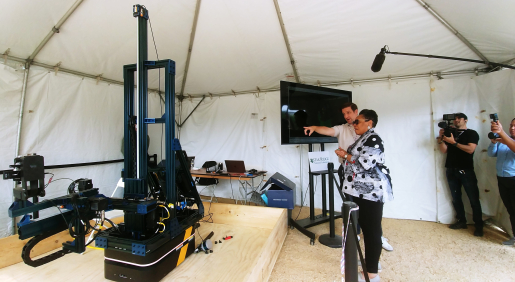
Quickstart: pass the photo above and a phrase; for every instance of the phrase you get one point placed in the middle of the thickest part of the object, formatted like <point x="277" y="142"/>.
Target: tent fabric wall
<point x="408" y="115"/>
<point x="69" y="119"/>
<point x="477" y="97"/>
<point x="11" y="80"/>
<point x="224" y="131"/>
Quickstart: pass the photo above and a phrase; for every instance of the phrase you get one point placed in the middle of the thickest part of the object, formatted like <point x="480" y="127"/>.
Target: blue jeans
<point x="467" y="178"/>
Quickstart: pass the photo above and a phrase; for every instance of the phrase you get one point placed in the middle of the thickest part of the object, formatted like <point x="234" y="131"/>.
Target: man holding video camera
<point x="459" y="143"/>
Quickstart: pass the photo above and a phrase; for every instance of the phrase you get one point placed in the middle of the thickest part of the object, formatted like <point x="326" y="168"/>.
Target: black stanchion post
<point x="331" y="240"/>
<point x="324" y="197"/>
<point x="351" y="244"/>
<point x="311" y="192"/>
<point x="330" y="169"/>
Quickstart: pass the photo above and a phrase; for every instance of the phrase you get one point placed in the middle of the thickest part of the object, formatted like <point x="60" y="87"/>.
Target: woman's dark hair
<point x="370" y="115"/>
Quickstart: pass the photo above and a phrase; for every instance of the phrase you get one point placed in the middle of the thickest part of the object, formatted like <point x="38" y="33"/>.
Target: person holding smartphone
<point x="503" y="148"/>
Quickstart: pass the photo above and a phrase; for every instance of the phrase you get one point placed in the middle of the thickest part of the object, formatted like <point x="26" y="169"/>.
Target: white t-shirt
<point x="346" y="136"/>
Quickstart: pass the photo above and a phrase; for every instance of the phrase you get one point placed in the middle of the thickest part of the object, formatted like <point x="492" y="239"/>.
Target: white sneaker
<point x="361" y="278"/>
<point x="386" y="245"/>
<point x="359" y="238"/>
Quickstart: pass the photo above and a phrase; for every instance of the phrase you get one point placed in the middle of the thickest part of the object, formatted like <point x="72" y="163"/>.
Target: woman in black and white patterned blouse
<point x="367" y="180"/>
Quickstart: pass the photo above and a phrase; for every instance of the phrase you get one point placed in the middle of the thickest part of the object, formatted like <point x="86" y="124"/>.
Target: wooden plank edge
<point x="250" y="216"/>
<point x="270" y="251"/>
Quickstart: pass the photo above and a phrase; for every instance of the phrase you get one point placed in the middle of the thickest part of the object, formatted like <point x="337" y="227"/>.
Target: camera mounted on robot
<point x="448" y="127"/>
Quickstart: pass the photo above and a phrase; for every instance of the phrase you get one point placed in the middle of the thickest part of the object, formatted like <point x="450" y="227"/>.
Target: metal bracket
<point x="139" y="249"/>
<point x="56" y="67"/>
<point x="101" y="243"/>
<point x="171" y="67"/>
<point x="99" y="77"/>
<point x="6" y="53"/>
<point x="154" y="120"/>
<point x="176" y="145"/>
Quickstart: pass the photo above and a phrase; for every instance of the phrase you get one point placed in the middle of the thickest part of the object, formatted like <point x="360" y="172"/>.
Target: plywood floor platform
<point x="259" y="233"/>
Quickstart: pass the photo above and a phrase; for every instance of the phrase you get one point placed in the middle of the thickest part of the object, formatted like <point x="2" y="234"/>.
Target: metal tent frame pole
<point x="255" y="91"/>
<point x="187" y="66"/>
<point x="28" y="62"/>
<point x="77" y="73"/>
<point x="286" y="41"/>
<point x="55" y="29"/>
<point x="453" y="30"/>
<point x="190" y="48"/>
<point x="20" y="119"/>
<point x="22" y="106"/>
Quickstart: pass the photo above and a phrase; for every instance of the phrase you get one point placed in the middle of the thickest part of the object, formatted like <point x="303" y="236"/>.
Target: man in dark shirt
<point x="460" y="171"/>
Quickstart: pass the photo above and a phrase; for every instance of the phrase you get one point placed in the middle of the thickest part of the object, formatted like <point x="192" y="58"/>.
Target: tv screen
<point x="307" y="105"/>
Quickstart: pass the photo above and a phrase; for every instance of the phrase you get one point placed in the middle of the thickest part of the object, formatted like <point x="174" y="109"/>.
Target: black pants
<point x="507" y="193"/>
<point x="456" y="178"/>
<point x="370" y="216"/>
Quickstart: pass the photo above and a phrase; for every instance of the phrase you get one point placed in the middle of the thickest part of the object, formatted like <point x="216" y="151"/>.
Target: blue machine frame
<point x="132" y="249"/>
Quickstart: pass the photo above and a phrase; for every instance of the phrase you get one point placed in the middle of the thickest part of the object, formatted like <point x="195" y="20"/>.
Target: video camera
<point x="447" y="126"/>
<point x="492" y="135"/>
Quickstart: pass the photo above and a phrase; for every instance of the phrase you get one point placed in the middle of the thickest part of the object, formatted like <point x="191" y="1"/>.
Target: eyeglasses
<point x="356" y="122"/>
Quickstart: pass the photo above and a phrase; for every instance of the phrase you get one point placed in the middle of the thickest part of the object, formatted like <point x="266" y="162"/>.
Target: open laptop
<point x="235" y="168"/>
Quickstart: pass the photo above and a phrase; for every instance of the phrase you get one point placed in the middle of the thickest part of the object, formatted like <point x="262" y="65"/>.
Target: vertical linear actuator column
<point x="128" y="78"/>
<point x="171" y="191"/>
<point x="142" y="92"/>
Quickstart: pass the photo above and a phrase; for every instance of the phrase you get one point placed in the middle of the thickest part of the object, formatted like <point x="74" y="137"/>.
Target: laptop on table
<point x="235" y="168"/>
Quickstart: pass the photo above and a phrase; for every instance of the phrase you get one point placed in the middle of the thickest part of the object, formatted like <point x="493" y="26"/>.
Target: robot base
<point x="149" y="268"/>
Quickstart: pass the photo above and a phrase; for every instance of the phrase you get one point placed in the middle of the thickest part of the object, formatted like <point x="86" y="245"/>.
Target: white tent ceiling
<point x="239" y="46"/>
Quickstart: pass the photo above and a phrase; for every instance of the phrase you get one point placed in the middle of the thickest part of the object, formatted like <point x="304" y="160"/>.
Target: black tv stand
<point x="330" y="240"/>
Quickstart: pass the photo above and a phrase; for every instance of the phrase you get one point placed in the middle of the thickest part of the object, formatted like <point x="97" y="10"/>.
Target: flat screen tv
<point x="307" y="105"/>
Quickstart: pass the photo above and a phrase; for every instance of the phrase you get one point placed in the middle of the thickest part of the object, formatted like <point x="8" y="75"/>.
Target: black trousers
<point x="507" y="193"/>
<point x="456" y="178"/>
<point x="370" y="216"/>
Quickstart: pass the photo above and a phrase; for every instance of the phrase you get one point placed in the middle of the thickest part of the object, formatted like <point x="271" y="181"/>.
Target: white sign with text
<point x="318" y="160"/>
